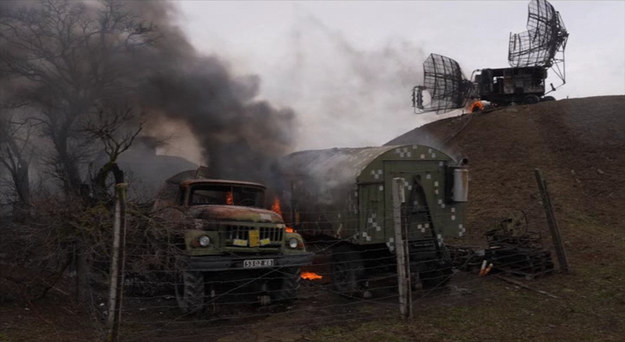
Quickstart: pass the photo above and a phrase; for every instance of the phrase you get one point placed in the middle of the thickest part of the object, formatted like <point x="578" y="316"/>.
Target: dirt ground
<point x="579" y="145"/>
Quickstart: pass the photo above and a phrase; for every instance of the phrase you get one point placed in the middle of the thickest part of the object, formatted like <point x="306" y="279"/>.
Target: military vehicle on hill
<point x="530" y="55"/>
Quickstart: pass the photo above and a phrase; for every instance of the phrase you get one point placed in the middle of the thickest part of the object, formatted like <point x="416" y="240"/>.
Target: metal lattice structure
<point x="443" y="80"/>
<point x="530" y="55"/>
<point x="544" y="41"/>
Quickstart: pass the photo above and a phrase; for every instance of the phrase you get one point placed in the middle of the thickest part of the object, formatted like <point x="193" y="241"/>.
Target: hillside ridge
<point x="577" y="143"/>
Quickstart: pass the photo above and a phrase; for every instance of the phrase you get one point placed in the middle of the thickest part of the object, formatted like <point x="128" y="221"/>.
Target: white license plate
<point x="257" y="263"/>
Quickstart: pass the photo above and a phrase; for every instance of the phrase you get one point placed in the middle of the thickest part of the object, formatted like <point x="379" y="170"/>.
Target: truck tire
<point x="289" y="284"/>
<point x="531" y="99"/>
<point x="190" y="291"/>
<point x="347" y="270"/>
<point x="547" y="99"/>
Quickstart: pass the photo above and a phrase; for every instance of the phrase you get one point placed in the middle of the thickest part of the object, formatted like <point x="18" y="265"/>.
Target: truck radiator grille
<point x="235" y="232"/>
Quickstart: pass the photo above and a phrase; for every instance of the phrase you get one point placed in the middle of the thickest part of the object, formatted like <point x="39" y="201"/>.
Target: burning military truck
<point x="228" y="240"/>
<point x="340" y="200"/>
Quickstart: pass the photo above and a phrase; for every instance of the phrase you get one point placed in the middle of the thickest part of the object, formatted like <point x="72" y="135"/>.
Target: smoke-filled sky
<point x="66" y="61"/>
<point x="348" y="68"/>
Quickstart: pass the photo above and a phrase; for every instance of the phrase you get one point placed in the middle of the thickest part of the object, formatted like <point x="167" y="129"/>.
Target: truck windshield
<point x="204" y="194"/>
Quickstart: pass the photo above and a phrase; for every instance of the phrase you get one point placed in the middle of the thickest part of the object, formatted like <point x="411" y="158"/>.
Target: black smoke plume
<point x="167" y="80"/>
<point x="239" y="135"/>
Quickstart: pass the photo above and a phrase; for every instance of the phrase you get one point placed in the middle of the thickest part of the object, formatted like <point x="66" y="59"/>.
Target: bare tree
<point x="14" y="139"/>
<point x="115" y="129"/>
<point x="69" y="57"/>
<point x="67" y="62"/>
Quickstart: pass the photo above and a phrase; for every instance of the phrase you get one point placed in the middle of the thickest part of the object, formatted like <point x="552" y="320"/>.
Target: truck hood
<point x="234" y="213"/>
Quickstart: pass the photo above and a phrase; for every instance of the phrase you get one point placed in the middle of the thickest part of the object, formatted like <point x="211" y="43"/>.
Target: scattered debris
<point x="512" y="249"/>
<point x="515" y="250"/>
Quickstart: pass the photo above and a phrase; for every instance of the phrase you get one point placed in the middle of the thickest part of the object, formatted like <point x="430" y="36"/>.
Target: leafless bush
<point x="39" y="253"/>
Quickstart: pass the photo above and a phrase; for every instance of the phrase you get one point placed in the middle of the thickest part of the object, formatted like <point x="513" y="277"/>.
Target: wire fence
<point x="345" y="283"/>
<point x="239" y="300"/>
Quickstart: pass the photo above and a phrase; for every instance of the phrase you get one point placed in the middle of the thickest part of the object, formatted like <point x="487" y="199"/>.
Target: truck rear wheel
<point x="190" y="291"/>
<point x="347" y="270"/>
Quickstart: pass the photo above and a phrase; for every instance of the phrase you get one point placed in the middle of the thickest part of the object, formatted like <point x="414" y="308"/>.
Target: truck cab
<point x="504" y="86"/>
<point x="226" y="236"/>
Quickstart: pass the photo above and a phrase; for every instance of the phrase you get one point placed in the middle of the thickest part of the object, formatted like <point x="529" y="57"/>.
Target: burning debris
<point x="311" y="276"/>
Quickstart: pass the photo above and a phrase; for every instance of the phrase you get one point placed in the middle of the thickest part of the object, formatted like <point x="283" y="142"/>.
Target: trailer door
<point x="422" y="180"/>
<point x="372" y="220"/>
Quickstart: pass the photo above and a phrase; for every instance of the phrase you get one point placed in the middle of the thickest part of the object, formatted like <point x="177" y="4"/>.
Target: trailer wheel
<point x="190" y="291"/>
<point x="347" y="270"/>
<point x="289" y="284"/>
<point x="437" y="278"/>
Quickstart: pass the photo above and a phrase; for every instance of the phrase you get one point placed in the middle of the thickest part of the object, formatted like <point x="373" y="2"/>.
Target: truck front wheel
<point x="289" y="284"/>
<point x="190" y="291"/>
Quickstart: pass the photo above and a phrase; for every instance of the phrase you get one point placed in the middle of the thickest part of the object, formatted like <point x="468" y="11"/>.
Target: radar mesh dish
<point x="545" y="36"/>
<point x="443" y="79"/>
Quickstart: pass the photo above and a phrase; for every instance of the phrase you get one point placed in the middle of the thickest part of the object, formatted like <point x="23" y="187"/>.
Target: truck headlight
<point x="204" y="241"/>
<point x="293" y="243"/>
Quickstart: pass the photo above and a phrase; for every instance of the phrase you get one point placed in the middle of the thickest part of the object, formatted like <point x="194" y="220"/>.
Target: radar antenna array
<point x="530" y="54"/>
<point x="443" y="80"/>
<point x="544" y="41"/>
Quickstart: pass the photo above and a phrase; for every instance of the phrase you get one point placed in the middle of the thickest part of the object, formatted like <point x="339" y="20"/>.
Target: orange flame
<point x="229" y="198"/>
<point x="477" y="106"/>
<point x="310" y="276"/>
<point x="275" y="207"/>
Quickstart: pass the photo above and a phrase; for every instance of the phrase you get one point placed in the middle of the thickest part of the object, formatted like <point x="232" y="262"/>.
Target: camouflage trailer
<point x="229" y="240"/>
<point x="341" y="199"/>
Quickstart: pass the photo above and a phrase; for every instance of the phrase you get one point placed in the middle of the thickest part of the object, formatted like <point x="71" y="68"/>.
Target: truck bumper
<point x="229" y="263"/>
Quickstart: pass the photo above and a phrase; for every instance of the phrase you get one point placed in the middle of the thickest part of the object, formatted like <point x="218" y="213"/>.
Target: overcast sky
<point x="348" y="68"/>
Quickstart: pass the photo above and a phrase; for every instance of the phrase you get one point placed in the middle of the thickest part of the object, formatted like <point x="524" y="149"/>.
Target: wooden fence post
<point x="117" y="264"/>
<point x="551" y="220"/>
<point x="401" y="251"/>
